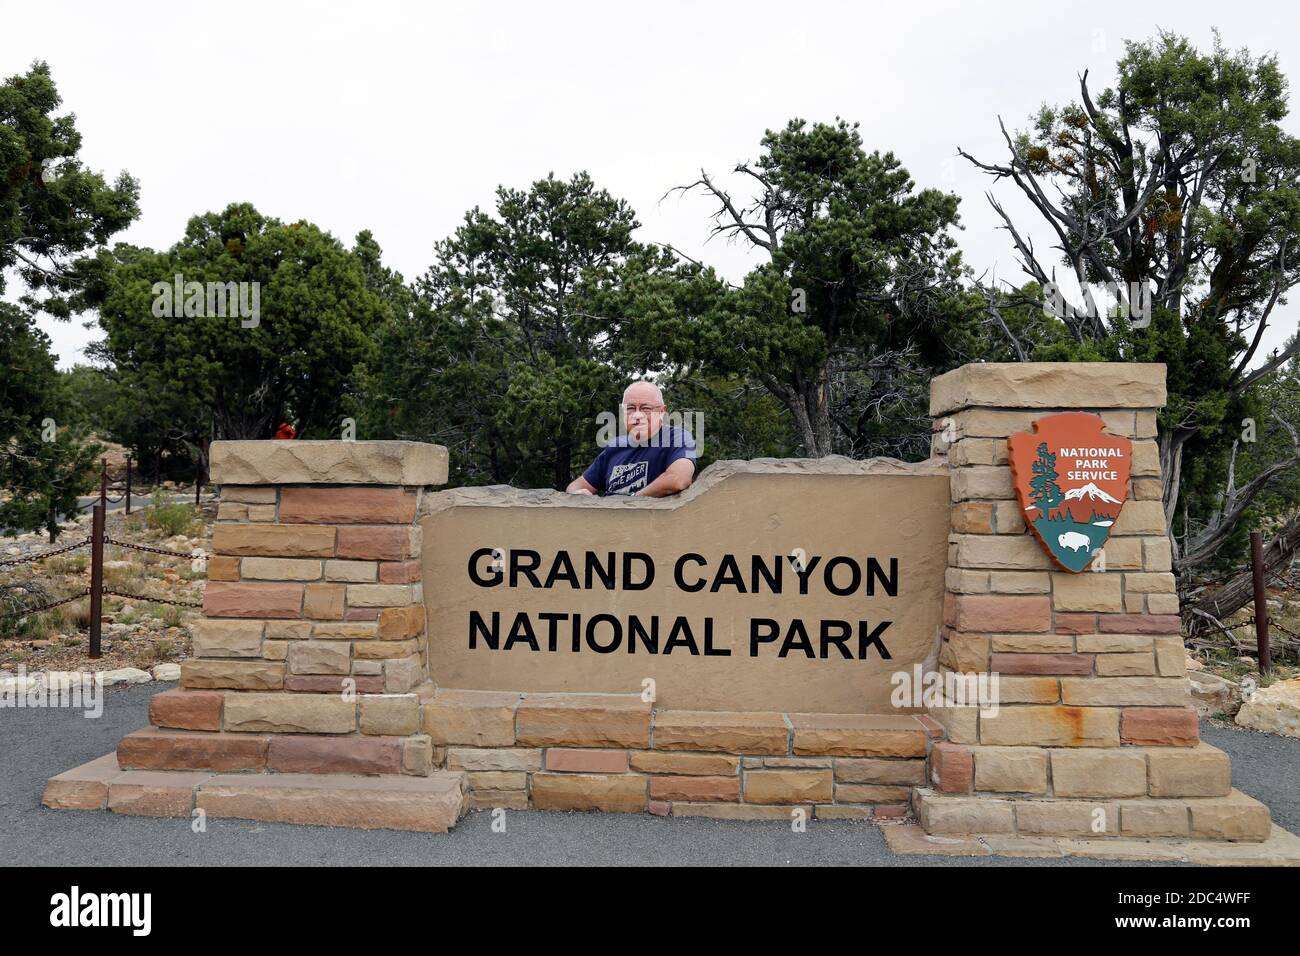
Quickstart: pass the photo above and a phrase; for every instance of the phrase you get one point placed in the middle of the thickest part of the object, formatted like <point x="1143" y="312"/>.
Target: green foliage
<point x="1180" y="180"/>
<point x="517" y="338"/>
<point x="44" y="464"/>
<point x="53" y="210"/>
<point x="196" y="377"/>
<point x="170" y="517"/>
<point x="858" y="303"/>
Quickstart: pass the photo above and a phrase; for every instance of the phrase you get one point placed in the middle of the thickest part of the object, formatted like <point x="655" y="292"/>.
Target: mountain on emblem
<point x="1072" y="480"/>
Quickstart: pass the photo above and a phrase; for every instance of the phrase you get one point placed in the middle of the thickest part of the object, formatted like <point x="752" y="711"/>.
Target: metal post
<point x="1261" y="599"/>
<point x="96" y="576"/>
<point x="103" y="482"/>
<point x="128" y="484"/>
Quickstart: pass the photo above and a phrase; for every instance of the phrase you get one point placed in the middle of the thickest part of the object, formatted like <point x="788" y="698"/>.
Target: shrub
<point x="171" y="518"/>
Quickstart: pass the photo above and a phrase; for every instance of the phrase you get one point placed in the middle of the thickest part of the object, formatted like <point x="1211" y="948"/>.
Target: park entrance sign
<point x="1071" y="479"/>
<point x="747" y="592"/>
<point x="378" y="651"/>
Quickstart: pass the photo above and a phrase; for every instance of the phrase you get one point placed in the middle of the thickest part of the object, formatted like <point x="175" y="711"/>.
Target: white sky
<point x="400" y="117"/>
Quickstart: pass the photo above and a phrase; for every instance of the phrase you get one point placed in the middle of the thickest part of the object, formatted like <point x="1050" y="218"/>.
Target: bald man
<point x="652" y="460"/>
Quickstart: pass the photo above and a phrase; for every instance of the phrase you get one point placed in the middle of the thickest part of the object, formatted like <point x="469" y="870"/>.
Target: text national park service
<point x="838" y="575"/>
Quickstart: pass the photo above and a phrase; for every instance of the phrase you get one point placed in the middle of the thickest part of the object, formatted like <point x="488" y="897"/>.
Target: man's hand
<point x="676" y="478"/>
<point x="580" y="486"/>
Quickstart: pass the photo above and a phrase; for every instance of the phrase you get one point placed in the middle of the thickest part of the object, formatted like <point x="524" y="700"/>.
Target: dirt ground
<point x="136" y="633"/>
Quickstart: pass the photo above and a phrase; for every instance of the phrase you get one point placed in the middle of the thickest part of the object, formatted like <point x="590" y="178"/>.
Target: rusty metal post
<point x="103" y="482"/>
<point x="1261" y="599"/>
<point x="96" y="576"/>
<point x="128" y="484"/>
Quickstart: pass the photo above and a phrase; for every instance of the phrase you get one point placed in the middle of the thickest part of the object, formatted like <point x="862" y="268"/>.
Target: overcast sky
<point x="400" y="117"/>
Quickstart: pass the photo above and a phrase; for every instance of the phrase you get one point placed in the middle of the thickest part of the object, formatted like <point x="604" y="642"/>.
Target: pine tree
<point x="1044" y="490"/>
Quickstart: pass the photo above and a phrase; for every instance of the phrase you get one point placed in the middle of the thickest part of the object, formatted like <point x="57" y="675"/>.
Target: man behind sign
<point x="652" y="460"/>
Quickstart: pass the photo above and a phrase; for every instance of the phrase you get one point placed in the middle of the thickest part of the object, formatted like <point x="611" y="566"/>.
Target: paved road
<point x="138" y="500"/>
<point x="36" y="744"/>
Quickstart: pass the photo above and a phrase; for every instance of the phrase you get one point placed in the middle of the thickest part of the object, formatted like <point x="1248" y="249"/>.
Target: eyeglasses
<point x="643" y="409"/>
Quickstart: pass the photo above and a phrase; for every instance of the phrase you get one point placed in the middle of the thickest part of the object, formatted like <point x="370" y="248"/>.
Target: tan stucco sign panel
<point x="755" y="591"/>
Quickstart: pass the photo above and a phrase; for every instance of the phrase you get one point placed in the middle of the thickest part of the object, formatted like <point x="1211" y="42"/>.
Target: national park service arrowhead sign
<point x="1071" y="479"/>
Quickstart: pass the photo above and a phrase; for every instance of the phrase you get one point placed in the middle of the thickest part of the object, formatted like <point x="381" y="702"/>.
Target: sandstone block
<point x="624" y="793"/>
<point x="476" y="718"/>
<point x="346" y="505"/>
<point x="279" y="569"/>
<point x="360" y="572"/>
<point x="1200" y="771"/>
<point x="320" y="657"/>
<point x="401" y="623"/>
<point x="880" y="772"/>
<point x="1066" y="818"/>
<point x="1011" y="769"/>
<point x="258" y="540"/>
<point x="952" y="768"/>
<point x="941" y="814"/>
<point x="1020" y="582"/>
<point x="1051" y="727"/>
<point x="789" y="786"/>
<point x="684" y="764"/>
<point x="235" y="675"/>
<point x="1126" y="665"/>
<point x="307" y="753"/>
<point x="586" y="761"/>
<point x="84" y="787"/>
<point x="154" y="793"/>
<point x="583" y="720"/>
<point x="1090" y="591"/>
<point x="696" y="788"/>
<point x="428" y="804"/>
<point x="871" y="793"/>
<point x="1047" y="385"/>
<point x="306" y="461"/>
<point x="511" y="759"/>
<point x="1154" y="818"/>
<point x="324" y="601"/>
<point x="374" y="543"/>
<point x="231" y="599"/>
<point x="1124" y="691"/>
<point x="990" y="612"/>
<point x="390" y="714"/>
<point x="400" y="572"/>
<point x="223" y="567"/>
<point x="226" y="638"/>
<point x="1098" y="773"/>
<point x="153" y="749"/>
<point x="379" y="595"/>
<point x="858" y="735"/>
<point x="1041" y="663"/>
<point x="290" y="713"/>
<point x="1159" y="726"/>
<point x="186" y="710"/>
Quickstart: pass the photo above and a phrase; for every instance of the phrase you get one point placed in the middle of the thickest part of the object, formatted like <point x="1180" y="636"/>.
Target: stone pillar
<point x="311" y="655"/>
<point x="1094" y="735"/>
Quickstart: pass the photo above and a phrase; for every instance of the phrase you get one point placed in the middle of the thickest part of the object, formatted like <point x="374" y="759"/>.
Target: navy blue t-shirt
<point x="624" y="468"/>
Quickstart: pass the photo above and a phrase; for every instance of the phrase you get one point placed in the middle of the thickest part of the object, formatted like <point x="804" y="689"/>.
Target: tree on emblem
<point x="1043" y="489"/>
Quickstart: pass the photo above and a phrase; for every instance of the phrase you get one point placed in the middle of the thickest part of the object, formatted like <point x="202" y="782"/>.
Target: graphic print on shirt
<point x="628" y="478"/>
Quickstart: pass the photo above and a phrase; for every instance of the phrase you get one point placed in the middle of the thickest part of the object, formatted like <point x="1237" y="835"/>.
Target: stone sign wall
<point x="767" y="586"/>
<point x="374" y="652"/>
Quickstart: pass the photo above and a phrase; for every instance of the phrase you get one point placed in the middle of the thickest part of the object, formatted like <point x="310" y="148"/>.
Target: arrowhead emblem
<point x="1071" y="480"/>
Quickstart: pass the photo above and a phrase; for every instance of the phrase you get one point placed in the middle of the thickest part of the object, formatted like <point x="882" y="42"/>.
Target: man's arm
<point x="677" y="477"/>
<point x="581" y="486"/>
